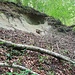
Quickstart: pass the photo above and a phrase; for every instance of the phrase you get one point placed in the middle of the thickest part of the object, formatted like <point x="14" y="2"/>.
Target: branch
<point x="16" y="66"/>
<point x="33" y="48"/>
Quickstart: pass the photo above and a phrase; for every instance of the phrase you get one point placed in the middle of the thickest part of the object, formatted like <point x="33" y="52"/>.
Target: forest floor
<point x="38" y="62"/>
<point x="59" y="39"/>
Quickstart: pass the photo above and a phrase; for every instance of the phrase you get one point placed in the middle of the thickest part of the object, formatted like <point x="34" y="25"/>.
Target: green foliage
<point x="51" y="73"/>
<point x="1" y="43"/>
<point x="64" y="10"/>
<point x="64" y="51"/>
<point x="13" y="52"/>
<point x="9" y="57"/>
<point x="41" y="58"/>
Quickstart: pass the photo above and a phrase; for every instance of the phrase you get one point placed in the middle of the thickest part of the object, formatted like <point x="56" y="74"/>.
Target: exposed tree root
<point x="16" y="66"/>
<point x="37" y="49"/>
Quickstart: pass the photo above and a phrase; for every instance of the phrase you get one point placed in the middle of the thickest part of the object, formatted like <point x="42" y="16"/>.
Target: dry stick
<point x="33" y="48"/>
<point x="17" y="66"/>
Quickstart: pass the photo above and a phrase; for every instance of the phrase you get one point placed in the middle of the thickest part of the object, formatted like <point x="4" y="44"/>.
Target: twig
<point x="57" y="45"/>
<point x="16" y="66"/>
<point x="33" y="48"/>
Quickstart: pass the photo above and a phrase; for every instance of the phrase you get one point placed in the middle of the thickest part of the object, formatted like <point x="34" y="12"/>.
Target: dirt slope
<point x="28" y="26"/>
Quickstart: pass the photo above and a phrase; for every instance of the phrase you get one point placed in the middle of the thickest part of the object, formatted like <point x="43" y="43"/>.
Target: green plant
<point x="51" y="73"/>
<point x="9" y="57"/>
<point x="41" y="58"/>
<point x="1" y="43"/>
<point x="65" y="52"/>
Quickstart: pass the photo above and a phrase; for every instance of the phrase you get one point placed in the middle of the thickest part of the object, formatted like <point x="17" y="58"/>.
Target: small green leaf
<point x="1" y="43"/>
